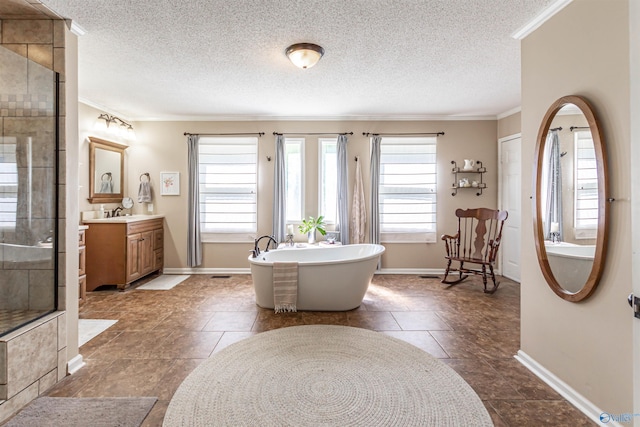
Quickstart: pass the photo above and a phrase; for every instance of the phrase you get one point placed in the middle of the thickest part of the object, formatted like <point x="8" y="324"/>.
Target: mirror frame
<point x="109" y="146"/>
<point x="603" y="199"/>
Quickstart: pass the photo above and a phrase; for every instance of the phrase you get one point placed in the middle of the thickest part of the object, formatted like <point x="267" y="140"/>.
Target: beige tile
<point x="58" y="63"/>
<point x="31" y="355"/>
<point x="27" y="31"/>
<point x="48" y="381"/>
<point x="18" y="401"/>
<point x="62" y="331"/>
<point x="62" y="363"/>
<point x="3" y="365"/>
<point x="41" y="293"/>
<point x="59" y="31"/>
<point x="20" y="49"/>
<point x="41" y="54"/>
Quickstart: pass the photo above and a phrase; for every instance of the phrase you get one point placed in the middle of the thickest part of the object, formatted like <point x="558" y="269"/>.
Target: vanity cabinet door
<point x="134" y="269"/>
<point x="146" y="252"/>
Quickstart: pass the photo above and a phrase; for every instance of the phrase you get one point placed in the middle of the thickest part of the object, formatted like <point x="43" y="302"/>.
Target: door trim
<point x="500" y="190"/>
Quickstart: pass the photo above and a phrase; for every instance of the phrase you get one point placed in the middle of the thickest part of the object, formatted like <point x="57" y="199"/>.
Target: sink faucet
<point x="116" y="212"/>
<point x="256" y="248"/>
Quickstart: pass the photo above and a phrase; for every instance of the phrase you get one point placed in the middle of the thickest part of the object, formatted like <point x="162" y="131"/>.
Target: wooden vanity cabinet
<point x="120" y="253"/>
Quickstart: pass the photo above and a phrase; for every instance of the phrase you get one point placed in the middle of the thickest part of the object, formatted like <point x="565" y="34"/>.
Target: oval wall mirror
<point x="571" y="198"/>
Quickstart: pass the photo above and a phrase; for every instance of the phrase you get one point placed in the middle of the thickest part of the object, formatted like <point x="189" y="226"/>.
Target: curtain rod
<point x="224" y="134"/>
<point x="313" y="133"/>
<point x="402" y="134"/>
<point x="578" y="127"/>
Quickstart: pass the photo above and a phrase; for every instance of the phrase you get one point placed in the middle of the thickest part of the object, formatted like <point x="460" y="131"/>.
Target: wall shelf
<point x="471" y="175"/>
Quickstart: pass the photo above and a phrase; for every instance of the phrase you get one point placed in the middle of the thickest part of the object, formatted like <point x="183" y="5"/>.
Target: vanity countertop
<point x="122" y="219"/>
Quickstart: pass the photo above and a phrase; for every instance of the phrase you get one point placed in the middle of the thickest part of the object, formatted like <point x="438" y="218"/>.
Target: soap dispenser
<point x="101" y="211"/>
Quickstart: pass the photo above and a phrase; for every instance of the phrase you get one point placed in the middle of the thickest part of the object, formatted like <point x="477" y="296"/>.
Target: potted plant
<point x="310" y="226"/>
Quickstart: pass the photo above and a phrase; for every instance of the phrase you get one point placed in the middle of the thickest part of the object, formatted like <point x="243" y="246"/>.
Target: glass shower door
<point x="28" y="190"/>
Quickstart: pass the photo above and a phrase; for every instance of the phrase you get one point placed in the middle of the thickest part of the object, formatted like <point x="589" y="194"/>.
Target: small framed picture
<point x="170" y="183"/>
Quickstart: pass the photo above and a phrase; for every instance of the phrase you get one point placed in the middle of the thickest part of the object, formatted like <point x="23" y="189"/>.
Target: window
<point x="586" y="187"/>
<point x="228" y="184"/>
<point x="407" y="190"/>
<point x="8" y="186"/>
<point x="294" y="172"/>
<point x="328" y="180"/>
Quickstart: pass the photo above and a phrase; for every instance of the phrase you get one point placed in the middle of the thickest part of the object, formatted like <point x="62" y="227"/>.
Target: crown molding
<point x="261" y="118"/>
<point x="540" y="19"/>
<point x="105" y="109"/>
<point x="508" y="113"/>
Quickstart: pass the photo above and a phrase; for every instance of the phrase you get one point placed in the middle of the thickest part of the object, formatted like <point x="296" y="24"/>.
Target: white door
<point x="509" y="192"/>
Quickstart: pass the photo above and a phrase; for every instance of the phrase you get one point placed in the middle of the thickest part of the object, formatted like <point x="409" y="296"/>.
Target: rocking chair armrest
<point x="447" y="237"/>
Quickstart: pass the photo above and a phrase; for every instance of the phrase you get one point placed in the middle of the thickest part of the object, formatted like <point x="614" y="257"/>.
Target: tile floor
<point x="161" y="336"/>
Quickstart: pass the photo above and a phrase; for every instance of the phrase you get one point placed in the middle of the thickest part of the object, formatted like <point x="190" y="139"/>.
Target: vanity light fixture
<point x="304" y="55"/>
<point x="122" y="128"/>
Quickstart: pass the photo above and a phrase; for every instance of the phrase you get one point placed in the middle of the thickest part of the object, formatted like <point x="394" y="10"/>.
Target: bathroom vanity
<point x="123" y="249"/>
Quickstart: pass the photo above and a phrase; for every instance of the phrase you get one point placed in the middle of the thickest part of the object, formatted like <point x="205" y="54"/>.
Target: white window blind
<point x="407" y="190"/>
<point x="586" y="186"/>
<point x="294" y="172"/>
<point x="228" y="184"/>
<point x="328" y="182"/>
<point x="8" y="186"/>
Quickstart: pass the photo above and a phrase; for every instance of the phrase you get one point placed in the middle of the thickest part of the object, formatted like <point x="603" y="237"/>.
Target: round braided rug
<point x="324" y="375"/>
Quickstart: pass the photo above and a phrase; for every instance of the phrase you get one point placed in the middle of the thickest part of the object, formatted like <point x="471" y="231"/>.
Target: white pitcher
<point x="468" y="164"/>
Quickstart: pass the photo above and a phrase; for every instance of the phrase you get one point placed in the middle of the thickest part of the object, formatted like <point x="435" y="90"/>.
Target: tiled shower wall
<point x="34" y="357"/>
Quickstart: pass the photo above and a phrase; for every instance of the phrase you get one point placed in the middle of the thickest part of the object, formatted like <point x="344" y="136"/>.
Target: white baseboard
<point x="576" y="399"/>
<point x="75" y="364"/>
<point x="207" y="271"/>
<point x="417" y="271"/>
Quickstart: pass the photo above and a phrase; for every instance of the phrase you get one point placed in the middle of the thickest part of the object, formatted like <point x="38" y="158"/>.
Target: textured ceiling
<point x="222" y="59"/>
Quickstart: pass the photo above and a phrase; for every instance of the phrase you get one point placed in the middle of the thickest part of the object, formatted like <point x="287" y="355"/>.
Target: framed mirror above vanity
<point x="571" y="198"/>
<point x="106" y="171"/>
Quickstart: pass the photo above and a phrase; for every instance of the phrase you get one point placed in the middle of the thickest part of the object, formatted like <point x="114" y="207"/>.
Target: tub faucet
<point x="256" y="248"/>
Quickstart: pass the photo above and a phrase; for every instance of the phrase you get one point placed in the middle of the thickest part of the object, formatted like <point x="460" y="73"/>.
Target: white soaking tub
<point x="329" y="278"/>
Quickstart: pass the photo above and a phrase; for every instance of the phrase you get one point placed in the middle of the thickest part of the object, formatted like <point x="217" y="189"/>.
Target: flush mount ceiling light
<point x="304" y="55"/>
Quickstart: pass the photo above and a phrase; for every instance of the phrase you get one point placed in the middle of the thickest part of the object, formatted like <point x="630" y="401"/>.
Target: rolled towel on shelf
<point x="285" y="286"/>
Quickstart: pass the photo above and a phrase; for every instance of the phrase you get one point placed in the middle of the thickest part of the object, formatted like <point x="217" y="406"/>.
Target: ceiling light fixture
<point x="304" y="55"/>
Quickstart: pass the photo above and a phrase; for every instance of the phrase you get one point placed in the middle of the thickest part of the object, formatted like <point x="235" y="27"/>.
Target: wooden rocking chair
<point x="476" y="242"/>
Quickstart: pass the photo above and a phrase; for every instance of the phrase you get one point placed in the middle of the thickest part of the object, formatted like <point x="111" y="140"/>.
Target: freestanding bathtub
<point x="571" y="264"/>
<point x="329" y="278"/>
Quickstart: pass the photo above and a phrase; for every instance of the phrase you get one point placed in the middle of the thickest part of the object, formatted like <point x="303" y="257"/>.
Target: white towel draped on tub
<point x="285" y="286"/>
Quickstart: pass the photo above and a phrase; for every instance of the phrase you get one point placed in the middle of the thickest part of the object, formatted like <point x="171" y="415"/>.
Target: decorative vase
<point x="311" y="237"/>
<point x="468" y="164"/>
